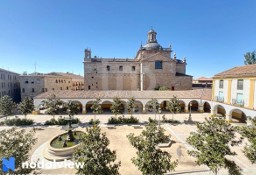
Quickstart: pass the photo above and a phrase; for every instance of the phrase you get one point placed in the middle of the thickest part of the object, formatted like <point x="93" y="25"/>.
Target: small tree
<point x="53" y="105"/>
<point x="116" y="107"/>
<point x="211" y="143"/>
<point x="154" y="106"/>
<point x="131" y="105"/>
<point x="17" y="143"/>
<point x="6" y="106"/>
<point x="96" y="107"/>
<point x="174" y="105"/>
<point x="71" y="108"/>
<point x="250" y="134"/>
<point x="94" y="153"/>
<point x="250" y="57"/>
<point x="150" y="159"/>
<point x="26" y="106"/>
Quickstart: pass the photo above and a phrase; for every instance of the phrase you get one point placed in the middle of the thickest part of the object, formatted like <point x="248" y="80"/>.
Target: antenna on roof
<point x="35" y="67"/>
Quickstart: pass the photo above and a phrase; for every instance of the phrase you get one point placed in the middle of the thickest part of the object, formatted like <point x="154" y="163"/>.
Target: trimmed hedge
<point x="164" y="120"/>
<point x="122" y="120"/>
<point x="170" y="121"/>
<point x="61" y="121"/>
<point x="18" y="122"/>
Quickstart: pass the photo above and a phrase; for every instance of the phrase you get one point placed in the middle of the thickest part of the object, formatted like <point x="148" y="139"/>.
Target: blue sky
<point x="213" y="35"/>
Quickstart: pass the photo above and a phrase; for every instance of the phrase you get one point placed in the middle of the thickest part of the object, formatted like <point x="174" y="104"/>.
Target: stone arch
<point x="106" y="105"/>
<point x="163" y="106"/>
<point x="124" y="106"/>
<point x="146" y="107"/>
<point x="88" y="106"/>
<point x="195" y="105"/>
<point x="182" y="105"/>
<point x="238" y="116"/>
<point x="138" y="106"/>
<point x="220" y="110"/>
<point x="80" y="105"/>
<point x="207" y="107"/>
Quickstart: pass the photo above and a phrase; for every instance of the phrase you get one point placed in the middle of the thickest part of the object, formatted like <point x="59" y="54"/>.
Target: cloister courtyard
<point x="125" y="151"/>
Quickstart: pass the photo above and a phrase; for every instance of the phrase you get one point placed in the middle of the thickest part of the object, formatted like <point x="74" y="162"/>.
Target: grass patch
<point x="56" y="143"/>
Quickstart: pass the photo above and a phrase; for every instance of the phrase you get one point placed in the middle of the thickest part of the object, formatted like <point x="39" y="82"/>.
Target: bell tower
<point x="87" y="53"/>
<point x="152" y="36"/>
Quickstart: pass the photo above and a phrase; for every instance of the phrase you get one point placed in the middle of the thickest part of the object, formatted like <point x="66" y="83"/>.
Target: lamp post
<point x="159" y="112"/>
<point x="70" y="133"/>
<point x="189" y="117"/>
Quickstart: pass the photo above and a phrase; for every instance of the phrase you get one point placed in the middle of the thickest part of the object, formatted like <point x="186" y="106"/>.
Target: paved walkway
<point x="180" y="132"/>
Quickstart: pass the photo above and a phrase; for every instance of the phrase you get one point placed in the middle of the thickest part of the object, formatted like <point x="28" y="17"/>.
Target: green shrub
<point x="150" y="120"/>
<point x="51" y="122"/>
<point x="19" y="122"/>
<point x="165" y="120"/>
<point x="131" y="120"/>
<point x="122" y="120"/>
<point x="61" y="121"/>
<point x="2" y="123"/>
<point x="91" y="122"/>
<point x="114" y="120"/>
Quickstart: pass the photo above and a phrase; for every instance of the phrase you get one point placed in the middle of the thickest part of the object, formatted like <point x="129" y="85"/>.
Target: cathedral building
<point x="152" y="67"/>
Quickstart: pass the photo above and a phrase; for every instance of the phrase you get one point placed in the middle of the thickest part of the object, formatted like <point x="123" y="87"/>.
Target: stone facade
<point x="34" y="84"/>
<point x="152" y="67"/>
<point x="9" y="84"/>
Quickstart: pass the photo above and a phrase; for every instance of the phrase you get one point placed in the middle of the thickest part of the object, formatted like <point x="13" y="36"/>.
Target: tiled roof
<point x="188" y="94"/>
<point x="70" y="75"/>
<point x="3" y="70"/>
<point x="203" y="79"/>
<point x="241" y="71"/>
<point x="111" y="60"/>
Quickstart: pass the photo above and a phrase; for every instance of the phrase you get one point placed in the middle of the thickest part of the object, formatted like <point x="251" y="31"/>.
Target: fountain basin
<point x="54" y="152"/>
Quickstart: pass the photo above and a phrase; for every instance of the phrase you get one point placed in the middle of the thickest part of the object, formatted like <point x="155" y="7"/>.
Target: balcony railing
<point x="219" y="99"/>
<point x="238" y="102"/>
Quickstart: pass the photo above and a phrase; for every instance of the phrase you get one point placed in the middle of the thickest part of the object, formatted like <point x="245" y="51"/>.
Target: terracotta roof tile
<point x="241" y="71"/>
<point x="68" y="94"/>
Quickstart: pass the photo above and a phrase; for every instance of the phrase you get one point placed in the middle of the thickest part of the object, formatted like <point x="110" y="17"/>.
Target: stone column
<point x="228" y="118"/>
<point x="141" y="77"/>
<point x="84" y="109"/>
<point x="144" y="109"/>
<point x="201" y="108"/>
<point x="186" y="109"/>
<point x="213" y="113"/>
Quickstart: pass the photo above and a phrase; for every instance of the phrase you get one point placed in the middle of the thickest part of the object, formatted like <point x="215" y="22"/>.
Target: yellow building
<point x="235" y="91"/>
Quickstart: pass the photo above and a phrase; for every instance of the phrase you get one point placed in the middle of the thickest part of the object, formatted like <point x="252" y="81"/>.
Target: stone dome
<point x="151" y="31"/>
<point x="152" y="46"/>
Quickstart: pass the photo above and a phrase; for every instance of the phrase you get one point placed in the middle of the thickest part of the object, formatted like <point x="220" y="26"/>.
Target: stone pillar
<point x="144" y="109"/>
<point x="201" y="108"/>
<point x="141" y="77"/>
<point x="186" y="109"/>
<point x="84" y="109"/>
<point x="213" y="113"/>
<point x="228" y="118"/>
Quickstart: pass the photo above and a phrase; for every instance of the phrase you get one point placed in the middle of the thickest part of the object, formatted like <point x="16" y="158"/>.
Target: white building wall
<point x="255" y="95"/>
<point x="216" y="88"/>
<point x="233" y="89"/>
<point x="246" y="92"/>
<point x="225" y="90"/>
